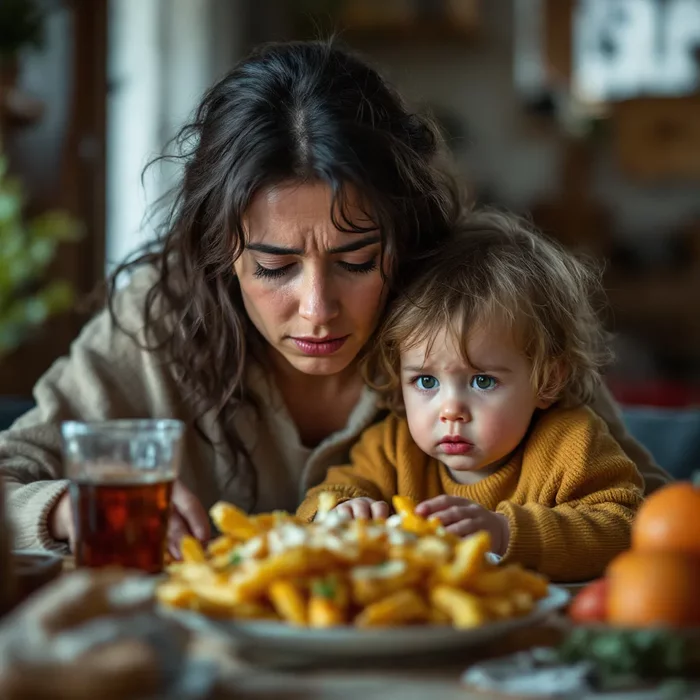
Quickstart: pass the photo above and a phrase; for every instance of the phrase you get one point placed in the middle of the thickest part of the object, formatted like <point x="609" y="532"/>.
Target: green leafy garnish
<point x="235" y="559"/>
<point x="324" y="588"/>
<point x="623" y="657"/>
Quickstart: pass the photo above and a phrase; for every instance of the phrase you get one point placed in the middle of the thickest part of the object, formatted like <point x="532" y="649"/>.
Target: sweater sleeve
<point x="370" y="474"/>
<point x="654" y="476"/>
<point x="106" y="375"/>
<point x="588" y="495"/>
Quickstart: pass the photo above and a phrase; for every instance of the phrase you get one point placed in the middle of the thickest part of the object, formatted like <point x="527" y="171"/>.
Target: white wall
<point x="163" y="55"/>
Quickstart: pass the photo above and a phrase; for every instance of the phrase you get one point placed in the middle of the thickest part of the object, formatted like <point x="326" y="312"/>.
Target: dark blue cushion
<point x="12" y="408"/>
<point x="671" y="435"/>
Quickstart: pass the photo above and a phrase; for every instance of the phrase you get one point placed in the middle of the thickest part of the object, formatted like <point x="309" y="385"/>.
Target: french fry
<point x="363" y="573"/>
<point x="523" y="602"/>
<point x="403" y="505"/>
<point x="324" y="613"/>
<point x="192" y="550"/>
<point x="220" y="546"/>
<point x="254" y="611"/>
<point x="498" y="607"/>
<point x="293" y="563"/>
<point x="216" y="594"/>
<point x="496" y="581"/>
<point x="371" y="583"/>
<point x="464" y="609"/>
<point x="530" y="581"/>
<point x="470" y="555"/>
<point x="177" y="594"/>
<point x="438" y="617"/>
<point x="399" y="608"/>
<point x="289" y="601"/>
<point x="232" y="521"/>
<point x="326" y="502"/>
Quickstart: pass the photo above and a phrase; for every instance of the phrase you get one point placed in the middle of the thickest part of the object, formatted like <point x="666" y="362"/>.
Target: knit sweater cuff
<point x="528" y="539"/>
<point x="29" y="507"/>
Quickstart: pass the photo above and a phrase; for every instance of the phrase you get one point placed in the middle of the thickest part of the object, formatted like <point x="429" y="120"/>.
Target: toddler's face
<point x="469" y="416"/>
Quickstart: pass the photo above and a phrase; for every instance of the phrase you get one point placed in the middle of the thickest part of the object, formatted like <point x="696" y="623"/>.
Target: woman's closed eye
<point x="483" y="382"/>
<point x="276" y="272"/>
<point x="271" y="272"/>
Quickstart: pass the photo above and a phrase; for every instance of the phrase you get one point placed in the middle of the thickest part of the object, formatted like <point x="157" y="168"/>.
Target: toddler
<point x="488" y="362"/>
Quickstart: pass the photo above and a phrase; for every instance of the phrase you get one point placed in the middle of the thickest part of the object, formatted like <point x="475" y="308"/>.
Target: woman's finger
<point x="60" y="522"/>
<point x="177" y="529"/>
<point x="379" y="510"/>
<point x="439" y="503"/>
<point x="192" y="511"/>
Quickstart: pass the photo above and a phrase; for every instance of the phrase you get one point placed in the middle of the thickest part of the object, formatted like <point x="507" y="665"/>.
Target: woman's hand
<point x="363" y="509"/>
<point x="463" y="517"/>
<point x="60" y="523"/>
<point x="188" y="518"/>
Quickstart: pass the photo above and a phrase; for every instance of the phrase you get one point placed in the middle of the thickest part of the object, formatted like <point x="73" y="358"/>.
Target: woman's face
<point x="313" y="292"/>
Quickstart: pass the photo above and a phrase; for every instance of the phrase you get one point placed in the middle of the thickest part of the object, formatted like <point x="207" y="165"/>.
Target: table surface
<point x="436" y="677"/>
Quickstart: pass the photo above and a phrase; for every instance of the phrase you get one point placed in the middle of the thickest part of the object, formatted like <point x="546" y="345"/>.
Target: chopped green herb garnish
<point x="235" y="559"/>
<point x="324" y="588"/>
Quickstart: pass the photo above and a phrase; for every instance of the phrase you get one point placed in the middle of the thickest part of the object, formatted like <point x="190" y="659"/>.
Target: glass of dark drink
<point x="122" y="474"/>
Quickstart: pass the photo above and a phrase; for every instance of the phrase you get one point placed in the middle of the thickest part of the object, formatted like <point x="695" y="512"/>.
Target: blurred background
<point x="582" y="114"/>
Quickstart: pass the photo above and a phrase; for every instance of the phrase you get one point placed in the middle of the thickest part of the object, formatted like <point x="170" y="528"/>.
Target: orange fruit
<point x="669" y="520"/>
<point x="653" y="589"/>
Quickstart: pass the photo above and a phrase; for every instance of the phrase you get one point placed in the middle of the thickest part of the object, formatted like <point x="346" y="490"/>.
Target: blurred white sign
<point x="630" y="48"/>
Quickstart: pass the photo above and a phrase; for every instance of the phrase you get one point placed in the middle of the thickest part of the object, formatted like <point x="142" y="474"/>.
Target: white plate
<point x="351" y="641"/>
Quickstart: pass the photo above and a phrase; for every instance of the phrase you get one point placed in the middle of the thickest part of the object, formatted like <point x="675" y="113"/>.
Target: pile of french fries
<point x="334" y="571"/>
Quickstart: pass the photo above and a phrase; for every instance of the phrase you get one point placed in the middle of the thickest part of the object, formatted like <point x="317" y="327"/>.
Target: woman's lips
<point x="320" y="346"/>
<point x="453" y="445"/>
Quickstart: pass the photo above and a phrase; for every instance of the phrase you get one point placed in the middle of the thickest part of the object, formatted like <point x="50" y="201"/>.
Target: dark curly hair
<point x="298" y="111"/>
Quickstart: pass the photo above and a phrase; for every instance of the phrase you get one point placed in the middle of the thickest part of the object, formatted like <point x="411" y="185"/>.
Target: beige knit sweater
<point x="107" y="376"/>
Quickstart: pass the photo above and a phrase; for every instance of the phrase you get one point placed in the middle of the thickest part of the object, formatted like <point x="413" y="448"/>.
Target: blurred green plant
<point x="21" y="24"/>
<point x="26" y="250"/>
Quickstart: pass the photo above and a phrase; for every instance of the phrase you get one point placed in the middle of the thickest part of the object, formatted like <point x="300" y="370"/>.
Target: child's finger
<point x="379" y="509"/>
<point x="466" y="527"/>
<point x="345" y="510"/>
<point x="456" y="513"/>
<point x="439" y="503"/>
<point x="361" y="509"/>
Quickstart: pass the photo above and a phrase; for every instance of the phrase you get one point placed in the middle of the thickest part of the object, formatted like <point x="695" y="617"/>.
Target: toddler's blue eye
<point x="483" y="382"/>
<point x="427" y="383"/>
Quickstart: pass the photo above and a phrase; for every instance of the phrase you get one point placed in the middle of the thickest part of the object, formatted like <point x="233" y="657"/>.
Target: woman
<point x="309" y="193"/>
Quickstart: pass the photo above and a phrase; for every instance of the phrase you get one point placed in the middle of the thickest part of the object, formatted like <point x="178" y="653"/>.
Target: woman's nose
<point x="318" y="302"/>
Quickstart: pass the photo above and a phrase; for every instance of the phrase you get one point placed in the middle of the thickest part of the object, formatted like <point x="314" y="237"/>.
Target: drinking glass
<point x="122" y="474"/>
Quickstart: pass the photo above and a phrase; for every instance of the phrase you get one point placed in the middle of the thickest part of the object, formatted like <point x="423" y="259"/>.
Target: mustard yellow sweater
<point x="569" y="491"/>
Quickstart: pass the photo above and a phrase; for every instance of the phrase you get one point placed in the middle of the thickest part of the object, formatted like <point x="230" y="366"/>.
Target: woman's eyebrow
<point x="278" y="250"/>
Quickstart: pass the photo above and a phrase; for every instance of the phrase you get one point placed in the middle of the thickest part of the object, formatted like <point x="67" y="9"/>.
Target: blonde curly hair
<point x="497" y="265"/>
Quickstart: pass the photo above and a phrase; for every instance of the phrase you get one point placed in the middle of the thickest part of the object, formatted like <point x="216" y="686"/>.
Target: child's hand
<point x="462" y="517"/>
<point x="364" y="509"/>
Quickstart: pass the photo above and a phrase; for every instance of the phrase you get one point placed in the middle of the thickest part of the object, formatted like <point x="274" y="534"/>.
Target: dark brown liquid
<point x="121" y="524"/>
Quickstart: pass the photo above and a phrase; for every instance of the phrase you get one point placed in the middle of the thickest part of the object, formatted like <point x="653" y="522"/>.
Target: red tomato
<point x="590" y="605"/>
